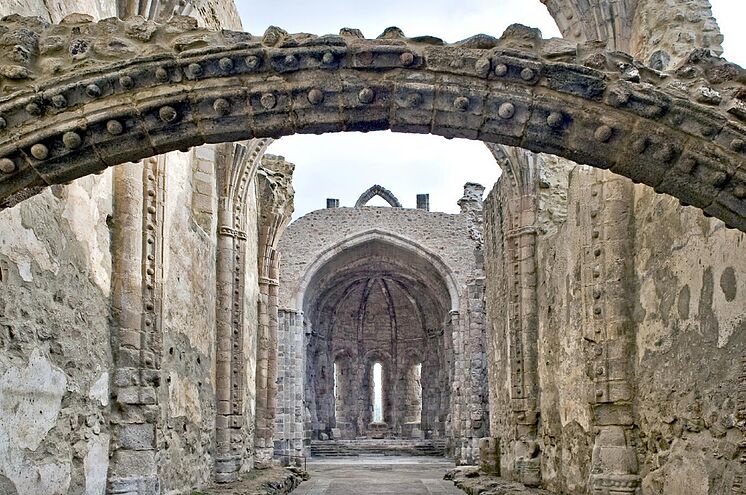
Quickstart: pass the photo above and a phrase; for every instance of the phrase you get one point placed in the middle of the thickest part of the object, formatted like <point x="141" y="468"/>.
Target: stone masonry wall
<point x="55" y="360"/>
<point x="54" y="341"/>
<point x="456" y="240"/>
<point x="55" y="315"/>
<point x="685" y="293"/>
<point x="690" y="338"/>
<point x="187" y="368"/>
<point x="566" y="426"/>
<point x="440" y="233"/>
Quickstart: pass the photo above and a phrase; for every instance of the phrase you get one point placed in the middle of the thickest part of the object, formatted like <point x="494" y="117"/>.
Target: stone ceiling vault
<point x="376" y="262"/>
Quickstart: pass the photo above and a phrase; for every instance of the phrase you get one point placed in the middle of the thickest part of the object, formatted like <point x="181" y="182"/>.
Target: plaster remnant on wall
<point x="100" y="389"/>
<point x="23" y="248"/>
<point x="30" y="401"/>
<point x="183" y="398"/>
<point x="97" y="464"/>
<point x="34" y="391"/>
<point x="83" y="211"/>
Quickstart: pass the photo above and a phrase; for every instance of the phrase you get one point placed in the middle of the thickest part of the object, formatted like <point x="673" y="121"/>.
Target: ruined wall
<point x="566" y="425"/>
<point x="55" y="311"/>
<point x="299" y="249"/>
<point x="497" y="320"/>
<point x="690" y="336"/>
<point x="685" y="331"/>
<point x="379" y="320"/>
<point x="54" y="341"/>
<point x="665" y="32"/>
<point x="54" y="325"/>
<point x="371" y="327"/>
<point x="188" y="322"/>
<point x="690" y="330"/>
<point x="251" y="324"/>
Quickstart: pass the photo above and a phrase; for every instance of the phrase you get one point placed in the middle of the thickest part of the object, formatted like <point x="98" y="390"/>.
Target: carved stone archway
<point x="158" y="88"/>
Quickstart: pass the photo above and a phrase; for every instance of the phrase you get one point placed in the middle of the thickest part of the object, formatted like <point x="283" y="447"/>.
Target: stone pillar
<point x="236" y="165"/>
<point x="136" y="339"/>
<point x="608" y="250"/>
<point x="523" y="330"/>
<point x="275" y="194"/>
<point x="229" y="421"/>
<point x="474" y="345"/>
<point x="263" y="437"/>
<point x="489" y="456"/>
<point x="423" y="202"/>
<point x="455" y="378"/>
<point x="289" y="418"/>
<point x="266" y="390"/>
<point x="332" y="203"/>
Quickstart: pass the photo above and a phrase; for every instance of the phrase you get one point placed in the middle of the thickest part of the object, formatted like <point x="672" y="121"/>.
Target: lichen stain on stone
<point x="683" y="302"/>
<point x="708" y="321"/>
<point x="728" y="283"/>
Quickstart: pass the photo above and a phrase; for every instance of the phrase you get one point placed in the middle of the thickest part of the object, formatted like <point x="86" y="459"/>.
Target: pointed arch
<point x="438" y="265"/>
<point x="380" y="191"/>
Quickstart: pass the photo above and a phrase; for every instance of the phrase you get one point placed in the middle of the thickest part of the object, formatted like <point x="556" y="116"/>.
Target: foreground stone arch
<point x="82" y="96"/>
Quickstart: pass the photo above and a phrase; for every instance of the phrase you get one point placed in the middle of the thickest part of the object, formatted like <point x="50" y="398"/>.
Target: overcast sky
<point x="346" y="164"/>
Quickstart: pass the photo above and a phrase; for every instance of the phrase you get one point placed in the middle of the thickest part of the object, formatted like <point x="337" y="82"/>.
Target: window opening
<point x="337" y="398"/>
<point x="378" y="393"/>
<point x="418" y="389"/>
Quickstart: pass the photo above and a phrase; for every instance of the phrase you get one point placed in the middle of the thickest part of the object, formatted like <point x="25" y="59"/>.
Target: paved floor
<point x="378" y="475"/>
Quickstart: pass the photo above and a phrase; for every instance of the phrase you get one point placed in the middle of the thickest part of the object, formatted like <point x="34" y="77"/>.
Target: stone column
<point x="237" y="165"/>
<point x="606" y="278"/>
<point x="523" y="328"/>
<point x="455" y="373"/>
<point x="231" y="249"/>
<point x="289" y="420"/>
<point x="475" y="360"/>
<point x="266" y="386"/>
<point x="275" y="194"/>
<point x="272" y="370"/>
<point x="469" y="404"/>
<point x="136" y="339"/>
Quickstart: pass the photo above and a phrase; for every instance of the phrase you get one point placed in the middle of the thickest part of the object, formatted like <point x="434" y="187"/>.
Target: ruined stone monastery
<point x="578" y="328"/>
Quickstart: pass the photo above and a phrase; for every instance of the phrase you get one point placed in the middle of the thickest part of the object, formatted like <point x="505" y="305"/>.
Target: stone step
<point x="377" y="447"/>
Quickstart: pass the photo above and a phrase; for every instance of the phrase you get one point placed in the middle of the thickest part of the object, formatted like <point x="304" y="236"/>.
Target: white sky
<point x="346" y="164"/>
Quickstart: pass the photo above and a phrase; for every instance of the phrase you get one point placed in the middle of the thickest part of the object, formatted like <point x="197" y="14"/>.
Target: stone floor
<point x="378" y="475"/>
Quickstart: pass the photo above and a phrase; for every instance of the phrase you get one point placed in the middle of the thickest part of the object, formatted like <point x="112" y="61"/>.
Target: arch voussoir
<point x="185" y="87"/>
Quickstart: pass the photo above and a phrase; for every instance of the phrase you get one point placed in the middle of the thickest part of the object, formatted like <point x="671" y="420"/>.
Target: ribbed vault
<point x="377" y="302"/>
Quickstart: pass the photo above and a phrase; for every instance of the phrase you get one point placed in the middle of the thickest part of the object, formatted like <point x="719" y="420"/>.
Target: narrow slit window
<point x="418" y="391"/>
<point x="378" y="393"/>
<point x="336" y="382"/>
